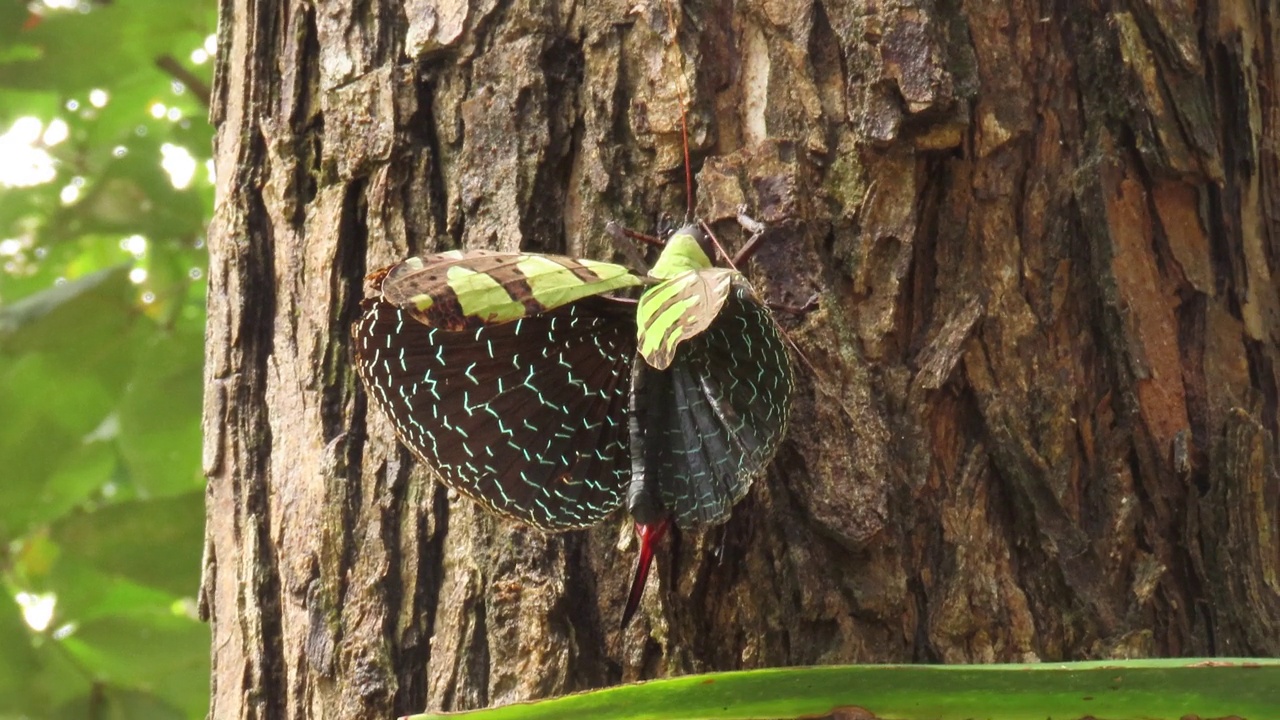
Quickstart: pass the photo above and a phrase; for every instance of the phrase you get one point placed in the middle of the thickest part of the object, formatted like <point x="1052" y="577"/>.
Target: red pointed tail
<point x="649" y="535"/>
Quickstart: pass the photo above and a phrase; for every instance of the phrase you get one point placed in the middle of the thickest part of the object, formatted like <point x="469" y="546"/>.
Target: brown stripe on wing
<point x="445" y="313"/>
<point x="580" y="271"/>
<point x="516" y="283"/>
<point x="446" y="310"/>
<point x="514" y="280"/>
<point x="408" y="283"/>
<point x="510" y="275"/>
<point x="686" y="319"/>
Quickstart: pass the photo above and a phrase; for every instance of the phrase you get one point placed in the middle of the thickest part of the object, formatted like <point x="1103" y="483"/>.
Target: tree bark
<point x="1037" y="407"/>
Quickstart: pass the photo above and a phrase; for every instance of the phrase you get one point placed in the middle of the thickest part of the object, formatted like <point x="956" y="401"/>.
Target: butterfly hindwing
<point x="708" y="425"/>
<point x="527" y="417"/>
<point x="467" y="289"/>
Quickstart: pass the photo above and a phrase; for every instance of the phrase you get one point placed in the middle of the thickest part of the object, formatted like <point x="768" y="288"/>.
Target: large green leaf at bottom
<point x="1248" y="689"/>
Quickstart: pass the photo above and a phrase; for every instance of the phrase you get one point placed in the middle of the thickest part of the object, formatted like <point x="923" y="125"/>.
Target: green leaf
<point x="65" y="357"/>
<point x="165" y="655"/>
<point x="80" y="475"/>
<point x="19" y="666"/>
<point x="1119" y="690"/>
<point x="99" y="412"/>
<point x="109" y="702"/>
<point x="160" y="416"/>
<point x="85" y="592"/>
<point x="153" y="542"/>
<point x="141" y="31"/>
<point x="61" y="309"/>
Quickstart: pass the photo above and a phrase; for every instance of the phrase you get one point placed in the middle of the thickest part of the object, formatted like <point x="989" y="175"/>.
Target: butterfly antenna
<point x="684" y="124"/>
<point x="799" y="353"/>
<point x="688" y="166"/>
<point x="719" y="248"/>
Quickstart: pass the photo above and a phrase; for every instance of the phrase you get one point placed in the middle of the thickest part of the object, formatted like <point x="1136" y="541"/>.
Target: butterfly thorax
<point x="688" y="249"/>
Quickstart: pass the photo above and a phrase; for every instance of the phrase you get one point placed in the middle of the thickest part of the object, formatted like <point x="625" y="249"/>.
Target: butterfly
<point x="534" y="386"/>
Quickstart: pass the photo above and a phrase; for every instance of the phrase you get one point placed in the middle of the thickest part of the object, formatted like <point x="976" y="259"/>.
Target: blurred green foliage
<point x="102" y="269"/>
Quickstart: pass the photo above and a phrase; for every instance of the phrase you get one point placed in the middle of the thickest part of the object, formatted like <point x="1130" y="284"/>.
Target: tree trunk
<point x="1037" y="407"/>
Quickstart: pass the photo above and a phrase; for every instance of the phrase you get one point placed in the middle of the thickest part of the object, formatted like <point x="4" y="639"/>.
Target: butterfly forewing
<point x="678" y="309"/>
<point x="708" y="425"/>
<point x="468" y="289"/>
<point x="527" y="417"/>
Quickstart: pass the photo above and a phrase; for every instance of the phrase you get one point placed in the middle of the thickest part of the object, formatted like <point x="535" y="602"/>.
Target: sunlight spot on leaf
<point x="108" y="429"/>
<point x="22" y="164"/>
<point x="56" y="132"/>
<point x="37" y="609"/>
<point x="98" y="97"/>
<point x="69" y="194"/>
<point x="138" y="275"/>
<point x="178" y="162"/>
<point x="135" y="245"/>
<point x="199" y="56"/>
<point x="25" y="130"/>
<point x="186" y="607"/>
<point x="157" y="110"/>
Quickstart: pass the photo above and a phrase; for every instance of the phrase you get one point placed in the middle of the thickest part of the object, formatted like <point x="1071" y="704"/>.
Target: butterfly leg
<point x="621" y="237"/>
<point x="621" y="234"/>
<point x="809" y="306"/>
<point x="757" y="230"/>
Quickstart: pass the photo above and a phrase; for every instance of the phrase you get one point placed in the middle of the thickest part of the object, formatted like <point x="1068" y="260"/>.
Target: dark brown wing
<point x="527" y="417"/>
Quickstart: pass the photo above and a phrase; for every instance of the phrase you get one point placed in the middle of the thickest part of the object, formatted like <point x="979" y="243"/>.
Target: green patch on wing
<point x="679" y="309"/>
<point x="460" y="290"/>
